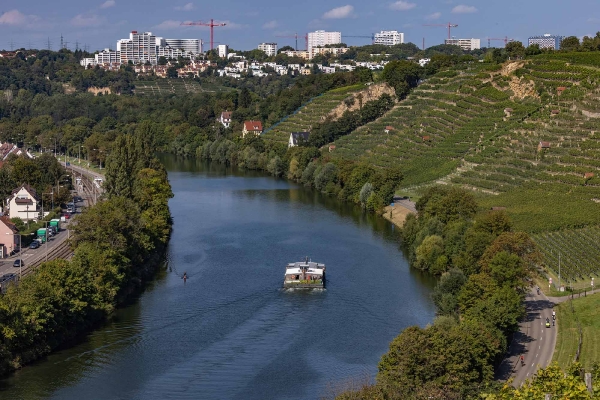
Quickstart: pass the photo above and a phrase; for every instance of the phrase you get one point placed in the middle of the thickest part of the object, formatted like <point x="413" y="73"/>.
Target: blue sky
<point x="99" y="24"/>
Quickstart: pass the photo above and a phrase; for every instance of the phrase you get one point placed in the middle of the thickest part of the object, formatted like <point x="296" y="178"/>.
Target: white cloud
<point x="87" y="20"/>
<point x="434" y="16"/>
<point x="339" y="12"/>
<point x="108" y="4"/>
<point x="17" y="18"/>
<point x="462" y="9"/>
<point x="402" y="5"/>
<point x="169" y="24"/>
<point x="270" y="25"/>
<point x="186" y="7"/>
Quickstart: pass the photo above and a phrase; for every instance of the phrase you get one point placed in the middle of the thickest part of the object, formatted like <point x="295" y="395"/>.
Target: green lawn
<point x="586" y="309"/>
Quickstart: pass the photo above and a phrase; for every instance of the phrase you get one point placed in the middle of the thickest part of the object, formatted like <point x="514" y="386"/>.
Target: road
<point x="533" y="340"/>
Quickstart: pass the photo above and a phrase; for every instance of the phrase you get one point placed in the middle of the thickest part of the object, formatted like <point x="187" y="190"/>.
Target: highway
<point x="533" y="341"/>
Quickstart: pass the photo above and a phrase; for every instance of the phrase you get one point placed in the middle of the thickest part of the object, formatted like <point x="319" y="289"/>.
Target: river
<point x="230" y="332"/>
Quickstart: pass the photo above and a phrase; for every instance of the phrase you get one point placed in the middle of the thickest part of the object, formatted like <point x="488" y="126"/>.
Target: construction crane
<point x="449" y="26"/>
<point x="372" y="37"/>
<point x="505" y="40"/>
<point x="211" y="24"/>
<point x="295" y="36"/>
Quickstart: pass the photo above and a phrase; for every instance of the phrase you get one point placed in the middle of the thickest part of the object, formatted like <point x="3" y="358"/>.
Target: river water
<point x="230" y="332"/>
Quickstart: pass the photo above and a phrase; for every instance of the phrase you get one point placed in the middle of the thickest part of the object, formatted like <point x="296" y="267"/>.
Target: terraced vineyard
<point x="578" y="251"/>
<point x="309" y="114"/>
<point x="173" y="86"/>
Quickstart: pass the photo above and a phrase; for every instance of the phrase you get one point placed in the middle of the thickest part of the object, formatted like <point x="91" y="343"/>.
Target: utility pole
<point x="61" y="41"/>
<point x="49" y="44"/>
<point x="559" y="271"/>
<point x="76" y="45"/>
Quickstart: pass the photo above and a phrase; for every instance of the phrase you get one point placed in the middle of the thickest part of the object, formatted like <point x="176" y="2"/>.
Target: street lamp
<point x="57" y="184"/>
<point x="20" y="247"/>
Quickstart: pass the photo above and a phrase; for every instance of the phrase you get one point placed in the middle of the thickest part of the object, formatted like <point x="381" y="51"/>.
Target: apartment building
<point x="269" y="48"/>
<point x="139" y="48"/>
<point x="223" y="49"/>
<point x="546" y="41"/>
<point x="322" y="38"/>
<point x="193" y="46"/>
<point x="465" y="44"/>
<point x="328" y="50"/>
<point x="389" y="38"/>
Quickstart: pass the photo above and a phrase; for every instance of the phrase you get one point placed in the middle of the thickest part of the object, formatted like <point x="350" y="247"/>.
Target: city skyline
<point x="99" y="24"/>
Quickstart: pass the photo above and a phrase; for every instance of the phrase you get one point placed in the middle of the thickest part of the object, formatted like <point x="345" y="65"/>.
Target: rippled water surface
<point x="230" y="332"/>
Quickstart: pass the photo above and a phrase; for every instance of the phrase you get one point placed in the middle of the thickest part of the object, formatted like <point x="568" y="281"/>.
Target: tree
<point x="285" y="48"/>
<point x="245" y="99"/>
<point x="515" y="50"/>
<point x="172" y="72"/>
<point x="533" y="49"/>
<point x="445" y="293"/>
<point x="570" y="43"/>
<point x="402" y="76"/>
<point x="428" y="252"/>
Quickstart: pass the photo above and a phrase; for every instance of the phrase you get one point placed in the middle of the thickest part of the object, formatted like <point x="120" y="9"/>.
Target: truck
<point x="42" y="234"/>
<point x="55" y="223"/>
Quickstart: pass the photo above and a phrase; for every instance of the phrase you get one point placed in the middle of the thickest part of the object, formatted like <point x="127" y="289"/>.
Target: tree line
<point x="118" y="245"/>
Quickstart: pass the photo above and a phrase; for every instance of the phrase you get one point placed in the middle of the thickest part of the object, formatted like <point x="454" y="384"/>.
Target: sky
<point x="95" y="25"/>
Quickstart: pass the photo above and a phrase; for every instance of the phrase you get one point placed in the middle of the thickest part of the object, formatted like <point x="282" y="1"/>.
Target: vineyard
<point x="577" y="251"/>
<point x="309" y="114"/>
<point x="172" y="86"/>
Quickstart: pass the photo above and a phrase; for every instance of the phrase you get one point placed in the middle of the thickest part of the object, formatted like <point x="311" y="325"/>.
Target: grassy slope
<point x="309" y="114"/>
<point x="174" y="86"/>
<point x="586" y="309"/>
<point x="472" y="143"/>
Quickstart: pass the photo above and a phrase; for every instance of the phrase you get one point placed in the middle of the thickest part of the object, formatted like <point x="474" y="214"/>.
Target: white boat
<point x="304" y="275"/>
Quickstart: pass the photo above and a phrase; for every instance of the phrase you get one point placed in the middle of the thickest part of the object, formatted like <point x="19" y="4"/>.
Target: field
<point x="309" y="114"/>
<point x="586" y="309"/>
<point x="174" y="86"/>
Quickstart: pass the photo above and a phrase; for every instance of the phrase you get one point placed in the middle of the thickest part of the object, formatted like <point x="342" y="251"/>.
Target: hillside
<point x="176" y="86"/>
<point x="524" y="136"/>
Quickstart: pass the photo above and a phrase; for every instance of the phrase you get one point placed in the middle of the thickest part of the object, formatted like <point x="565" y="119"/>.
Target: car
<point x="77" y="199"/>
<point x="18" y="263"/>
<point x="34" y="245"/>
<point x="67" y="215"/>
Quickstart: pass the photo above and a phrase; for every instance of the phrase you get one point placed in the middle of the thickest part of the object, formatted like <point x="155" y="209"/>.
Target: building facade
<point x="269" y="48"/>
<point x="546" y="41"/>
<point x="465" y="44"/>
<point x="193" y="46"/>
<point x="8" y="237"/>
<point x="328" y="50"/>
<point x="139" y="48"/>
<point x="223" y="49"/>
<point x="23" y="203"/>
<point x="322" y="38"/>
<point x="389" y="38"/>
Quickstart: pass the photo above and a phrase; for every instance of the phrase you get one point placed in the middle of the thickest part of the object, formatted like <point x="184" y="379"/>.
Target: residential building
<point x="108" y="56"/>
<point x="424" y="61"/>
<point x="85" y="62"/>
<point x="223" y="49"/>
<point x="465" y="44"/>
<point x="298" y="53"/>
<point x="546" y="41"/>
<point x="23" y="203"/>
<point x="9" y="239"/>
<point x="252" y="127"/>
<point x="328" y="50"/>
<point x="139" y="48"/>
<point x="193" y="46"/>
<point x="270" y="49"/>
<point x="389" y="38"/>
<point x="322" y="38"/>
<point x="297" y="138"/>
<point x="225" y="118"/>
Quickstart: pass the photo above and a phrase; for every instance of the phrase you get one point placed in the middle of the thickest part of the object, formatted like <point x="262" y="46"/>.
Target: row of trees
<point x="118" y="245"/>
<point x="484" y="268"/>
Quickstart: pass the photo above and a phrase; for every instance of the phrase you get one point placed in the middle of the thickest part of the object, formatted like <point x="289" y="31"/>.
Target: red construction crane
<point x="505" y="40"/>
<point x="295" y="36"/>
<point x="211" y="24"/>
<point x="449" y="26"/>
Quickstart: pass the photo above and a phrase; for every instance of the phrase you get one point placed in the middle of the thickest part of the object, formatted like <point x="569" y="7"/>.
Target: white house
<point x="225" y="118"/>
<point x="297" y="137"/>
<point x="23" y="203"/>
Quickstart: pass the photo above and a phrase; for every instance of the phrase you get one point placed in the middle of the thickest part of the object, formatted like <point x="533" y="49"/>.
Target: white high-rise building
<point x="389" y="38"/>
<point x="193" y="46"/>
<point x="547" y="41"/>
<point x="322" y="38"/>
<point x="465" y="44"/>
<point x="223" y="49"/>
<point x="269" y="48"/>
<point x="139" y="48"/>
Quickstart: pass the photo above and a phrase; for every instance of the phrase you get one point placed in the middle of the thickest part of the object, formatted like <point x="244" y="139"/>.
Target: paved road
<point x="534" y="341"/>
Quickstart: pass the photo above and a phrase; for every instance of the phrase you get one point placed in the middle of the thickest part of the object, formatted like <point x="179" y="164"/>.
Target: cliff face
<point x="355" y="100"/>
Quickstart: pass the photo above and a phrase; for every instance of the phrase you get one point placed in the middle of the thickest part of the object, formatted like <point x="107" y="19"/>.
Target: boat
<point x="304" y="275"/>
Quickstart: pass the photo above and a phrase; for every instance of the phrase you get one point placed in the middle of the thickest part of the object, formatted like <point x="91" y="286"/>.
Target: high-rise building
<point x="389" y="38"/>
<point x="223" y="49"/>
<point x="108" y="56"/>
<point x="193" y="46"/>
<point x="465" y="44"/>
<point x="322" y="38"/>
<point x="269" y="48"/>
<point x="139" y="48"/>
<point x="546" y="41"/>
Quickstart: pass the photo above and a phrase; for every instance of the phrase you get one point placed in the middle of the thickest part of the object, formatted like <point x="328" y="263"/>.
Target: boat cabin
<point x="304" y="275"/>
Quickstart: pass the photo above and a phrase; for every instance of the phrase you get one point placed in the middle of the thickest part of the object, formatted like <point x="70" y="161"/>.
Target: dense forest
<point x="118" y="245"/>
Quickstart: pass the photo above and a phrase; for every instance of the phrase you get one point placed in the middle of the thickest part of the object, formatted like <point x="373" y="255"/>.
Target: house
<point x="589" y="175"/>
<point x="8" y="237"/>
<point x="388" y="129"/>
<point x="254" y="127"/>
<point x="23" y="203"/>
<point x="297" y="137"/>
<point x="560" y="89"/>
<point x="225" y="118"/>
<point x="543" y="145"/>
<point x="426" y="138"/>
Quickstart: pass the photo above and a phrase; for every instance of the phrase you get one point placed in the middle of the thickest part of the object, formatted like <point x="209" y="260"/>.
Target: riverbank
<point x="399" y="211"/>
